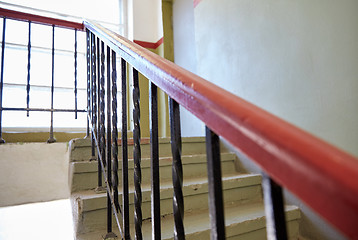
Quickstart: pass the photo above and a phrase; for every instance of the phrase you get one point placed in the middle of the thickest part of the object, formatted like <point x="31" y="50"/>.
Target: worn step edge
<point x="92" y="166"/>
<point x="86" y="142"/>
<point x="235" y="225"/>
<point x="238" y="220"/>
<point x="92" y="201"/>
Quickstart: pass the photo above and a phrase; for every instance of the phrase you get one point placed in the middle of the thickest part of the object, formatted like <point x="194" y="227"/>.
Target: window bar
<point x="216" y="208"/>
<point x="274" y="209"/>
<point x="28" y="70"/>
<point x="154" y="155"/>
<point x="2" y="75"/>
<point x="137" y="158"/>
<point x="177" y="169"/>
<point x="114" y="132"/>
<point x="110" y="234"/>
<point x="52" y="139"/>
<point x="125" y="153"/>
<point x="89" y="92"/>
<point x="95" y="109"/>
<point x="75" y="73"/>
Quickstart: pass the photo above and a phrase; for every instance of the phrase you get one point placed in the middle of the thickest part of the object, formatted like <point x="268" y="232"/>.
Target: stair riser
<point x="85" y="181"/>
<point x="83" y="153"/>
<point x="96" y="219"/>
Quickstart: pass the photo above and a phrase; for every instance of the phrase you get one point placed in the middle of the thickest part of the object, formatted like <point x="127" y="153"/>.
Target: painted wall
<point x="147" y="20"/>
<point x="33" y="172"/>
<point x="296" y="59"/>
<point x="185" y="56"/>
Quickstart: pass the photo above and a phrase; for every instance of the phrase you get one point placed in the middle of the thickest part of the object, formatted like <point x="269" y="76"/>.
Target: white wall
<point x="185" y="56"/>
<point x="296" y="59"/>
<point x="33" y="172"/>
<point x="147" y="20"/>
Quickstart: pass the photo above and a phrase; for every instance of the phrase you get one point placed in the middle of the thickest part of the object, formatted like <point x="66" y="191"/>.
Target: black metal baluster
<point x="2" y="75"/>
<point x="216" y="206"/>
<point x="102" y="108"/>
<point x="125" y="153"/>
<point x="95" y="109"/>
<point x="177" y="169"/>
<point x="75" y="73"/>
<point x="274" y="209"/>
<point x="114" y="132"/>
<point x="154" y="155"/>
<point x="137" y="158"/>
<point x="99" y="96"/>
<point x="89" y="90"/>
<point x="52" y="139"/>
<point x="28" y="70"/>
<point x="110" y="234"/>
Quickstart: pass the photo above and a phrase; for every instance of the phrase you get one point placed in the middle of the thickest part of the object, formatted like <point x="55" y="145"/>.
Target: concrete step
<point x="242" y="222"/>
<point x="80" y="149"/>
<point x="90" y="213"/>
<point x="83" y="174"/>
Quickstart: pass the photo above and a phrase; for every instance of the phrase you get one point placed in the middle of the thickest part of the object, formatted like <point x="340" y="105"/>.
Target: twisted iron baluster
<point x="28" y="70"/>
<point x="114" y="132"/>
<point x="110" y="234"/>
<point x="88" y="55"/>
<point x="137" y="158"/>
<point x="102" y="103"/>
<point x="98" y="95"/>
<point x="95" y="107"/>
<point x="177" y="169"/>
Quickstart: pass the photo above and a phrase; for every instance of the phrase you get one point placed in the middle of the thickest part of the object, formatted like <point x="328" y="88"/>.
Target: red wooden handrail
<point x="320" y="174"/>
<point x="16" y="15"/>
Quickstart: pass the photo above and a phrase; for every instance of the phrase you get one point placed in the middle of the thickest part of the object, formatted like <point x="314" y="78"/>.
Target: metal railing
<point x="319" y="174"/>
<point x="53" y="23"/>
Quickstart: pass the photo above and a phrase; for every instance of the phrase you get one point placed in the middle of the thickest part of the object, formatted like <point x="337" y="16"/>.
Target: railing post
<point x="2" y="75"/>
<point x="274" y="209"/>
<point x="177" y="169"/>
<point x="216" y="205"/>
<point x="28" y="70"/>
<point x="137" y="158"/>
<point x="52" y="139"/>
<point x="154" y="155"/>
<point x="125" y="153"/>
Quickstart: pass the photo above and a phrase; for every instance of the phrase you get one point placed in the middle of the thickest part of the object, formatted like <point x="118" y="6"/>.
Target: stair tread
<point x="250" y="215"/>
<point x="90" y="166"/>
<point x="234" y="178"/>
<point x="93" y="201"/>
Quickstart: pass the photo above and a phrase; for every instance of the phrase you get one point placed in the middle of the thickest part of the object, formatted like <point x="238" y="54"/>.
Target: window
<point x="106" y="13"/>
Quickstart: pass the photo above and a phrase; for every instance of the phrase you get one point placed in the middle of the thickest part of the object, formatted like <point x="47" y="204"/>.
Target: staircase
<point x="244" y="210"/>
